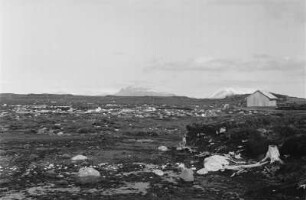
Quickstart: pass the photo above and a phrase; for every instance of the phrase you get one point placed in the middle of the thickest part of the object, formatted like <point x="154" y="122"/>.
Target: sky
<point x="185" y="47"/>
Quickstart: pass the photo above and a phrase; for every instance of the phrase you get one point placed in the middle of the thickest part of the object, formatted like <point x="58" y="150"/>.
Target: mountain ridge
<point x="140" y="91"/>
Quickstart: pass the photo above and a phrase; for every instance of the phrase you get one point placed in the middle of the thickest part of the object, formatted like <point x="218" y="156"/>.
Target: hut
<point x="261" y="99"/>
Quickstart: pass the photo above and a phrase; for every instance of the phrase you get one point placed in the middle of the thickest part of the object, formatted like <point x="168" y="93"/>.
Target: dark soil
<point x="40" y="135"/>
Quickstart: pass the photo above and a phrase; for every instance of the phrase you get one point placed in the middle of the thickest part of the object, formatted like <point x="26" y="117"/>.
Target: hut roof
<point x="267" y="94"/>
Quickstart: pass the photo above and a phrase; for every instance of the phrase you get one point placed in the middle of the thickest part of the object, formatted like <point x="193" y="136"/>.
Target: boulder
<point x="215" y="163"/>
<point x="158" y="172"/>
<point x="79" y="158"/>
<point x="222" y="130"/>
<point x="60" y="133"/>
<point x="42" y="131"/>
<point x="65" y="156"/>
<point x="187" y="175"/>
<point x="202" y="171"/>
<point x="88" y="175"/>
<point x="88" y="171"/>
<point x="162" y="148"/>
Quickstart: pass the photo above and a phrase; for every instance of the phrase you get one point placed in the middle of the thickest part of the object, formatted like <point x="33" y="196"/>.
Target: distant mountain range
<point x="140" y="91"/>
<point x="143" y="92"/>
<point x="227" y="92"/>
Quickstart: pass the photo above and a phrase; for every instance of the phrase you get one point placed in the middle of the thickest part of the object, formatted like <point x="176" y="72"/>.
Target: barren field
<point x="121" y="138"/>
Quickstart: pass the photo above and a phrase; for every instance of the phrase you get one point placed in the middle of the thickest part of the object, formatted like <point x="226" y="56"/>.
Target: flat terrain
<point x="120" y="137"/>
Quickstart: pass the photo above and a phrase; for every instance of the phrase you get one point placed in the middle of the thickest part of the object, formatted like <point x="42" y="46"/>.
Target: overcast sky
<point x="186" y="47"/>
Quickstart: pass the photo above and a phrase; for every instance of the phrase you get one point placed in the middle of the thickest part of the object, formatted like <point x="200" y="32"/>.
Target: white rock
<point x="237" y="156"/>
<point x="202" y="171"/>
<point x="187" y="175"/>
<point x="181" y="166"/>
<point x="42" y="130"/>
<point x="158" y="172"/>
<point x="60" y="133"/>
<point x="99" y="109"/>
<point x="79" y="158"/>
<point x="88" y="171"/>
<point x="226" y="106"/>
<point x="88" y="175"/>
<point x="179" y="148"/>
<point x="222" y="130"/>
<point x="163" y="148"/>
<point x="215" y="163"/>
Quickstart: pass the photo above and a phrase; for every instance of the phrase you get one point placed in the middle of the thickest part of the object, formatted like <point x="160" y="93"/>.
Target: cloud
<point x="293" y="9"/>
<point x="119" y="53"/>
<point x="256" y="63"/>
<point x="275" y="9"/>
<point x="197" y="64"/>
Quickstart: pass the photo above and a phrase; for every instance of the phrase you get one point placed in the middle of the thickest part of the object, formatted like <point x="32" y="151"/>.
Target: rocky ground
<point x="73" y="149"/>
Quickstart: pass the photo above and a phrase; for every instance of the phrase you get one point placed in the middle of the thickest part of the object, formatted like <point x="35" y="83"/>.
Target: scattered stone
<point x="66" y="156"/>
<point x="88" y="171"/>
<point x="187" y="175"/>
<point x="202" y="171"/>
<point x="59" y="176"/>
<point x="88" y="175"/>
<point x="226" y="107"/>
<point x="60" y="133"/>
<point x="51" y="132"/>
<point x="99" y="109"/>
<point x="214" y="163"/>
<point x="158" y="172"/>
<point x="163" y="148"/>
<point x="43" y="149"/>
<point x="181" y="166"/>
<point x="198" y="187"/>
<point x="237" y="156"/>
<point x="79" y="158"/>
<point x="42" y="131"/>
<point x="203" y="154"/>
<point x="222" y="130"/>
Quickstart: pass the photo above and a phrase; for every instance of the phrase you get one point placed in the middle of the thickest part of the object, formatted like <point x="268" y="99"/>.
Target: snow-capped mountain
<point x="227" y="92"/>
